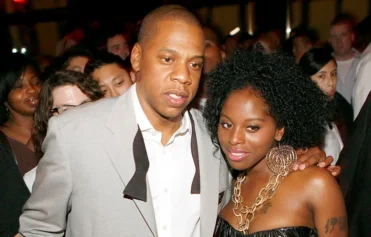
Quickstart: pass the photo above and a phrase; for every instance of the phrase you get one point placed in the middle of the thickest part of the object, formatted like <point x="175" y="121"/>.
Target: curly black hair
<point x="294" y="100"/>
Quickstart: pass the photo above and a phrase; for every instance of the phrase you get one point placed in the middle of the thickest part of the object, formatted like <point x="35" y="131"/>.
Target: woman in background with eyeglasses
<point x="61" y="91"/>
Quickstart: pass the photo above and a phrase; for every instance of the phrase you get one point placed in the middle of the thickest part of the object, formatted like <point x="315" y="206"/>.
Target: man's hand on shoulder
<point x="315" y="156"/>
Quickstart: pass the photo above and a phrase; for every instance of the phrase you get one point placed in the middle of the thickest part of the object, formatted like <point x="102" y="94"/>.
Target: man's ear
<point x="224" y="55"/>
<point x="223" y="47"/>
<point x="136" y="54"/>
<point x="353" y="35"/>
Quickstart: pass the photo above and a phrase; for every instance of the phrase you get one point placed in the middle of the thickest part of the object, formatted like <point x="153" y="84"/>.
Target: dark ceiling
<point x="131" y="10"/>
<point x="134" y="9"/>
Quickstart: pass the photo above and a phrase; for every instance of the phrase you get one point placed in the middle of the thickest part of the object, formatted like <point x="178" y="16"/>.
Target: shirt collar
<point x="145" y="124"/>
<point x="357" y="54"/>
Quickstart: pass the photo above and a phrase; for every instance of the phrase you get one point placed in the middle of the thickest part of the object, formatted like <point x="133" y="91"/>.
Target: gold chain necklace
<point x="246" y="214"/>
<point x="280" y="161"/>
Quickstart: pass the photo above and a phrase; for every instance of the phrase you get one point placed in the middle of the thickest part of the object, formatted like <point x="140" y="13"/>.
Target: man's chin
<point x="173" y="113"/>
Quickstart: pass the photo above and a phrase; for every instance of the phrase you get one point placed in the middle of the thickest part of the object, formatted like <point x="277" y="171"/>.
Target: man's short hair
<point x="309" y="34"/>
<point x="344" y="18"/>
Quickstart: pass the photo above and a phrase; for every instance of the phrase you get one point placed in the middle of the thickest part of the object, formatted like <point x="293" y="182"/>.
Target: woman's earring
<point x="8" y="114"/>
<point x="281" y="159"/>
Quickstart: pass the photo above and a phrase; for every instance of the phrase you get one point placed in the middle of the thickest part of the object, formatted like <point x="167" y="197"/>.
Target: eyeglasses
<point x="61" y="109"/>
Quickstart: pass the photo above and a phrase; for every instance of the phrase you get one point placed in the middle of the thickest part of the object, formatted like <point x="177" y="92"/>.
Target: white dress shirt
<point x="170" y="175"/>
<point x="29" y="178"/>
<point x="333" y="143"/>
<point x="346" y="72"/>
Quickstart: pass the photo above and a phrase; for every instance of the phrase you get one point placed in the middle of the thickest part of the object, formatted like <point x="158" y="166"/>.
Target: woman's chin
<point x="237" y="165"/>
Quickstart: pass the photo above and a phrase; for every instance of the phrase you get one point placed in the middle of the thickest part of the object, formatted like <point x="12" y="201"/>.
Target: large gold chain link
<point x="246" y="214"/>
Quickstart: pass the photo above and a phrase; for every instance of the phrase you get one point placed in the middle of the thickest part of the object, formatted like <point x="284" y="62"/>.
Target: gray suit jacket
<point x="87" y="164"/>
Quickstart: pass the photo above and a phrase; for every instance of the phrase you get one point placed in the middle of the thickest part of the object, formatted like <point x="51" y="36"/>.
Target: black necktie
<point x="137" y="188"/>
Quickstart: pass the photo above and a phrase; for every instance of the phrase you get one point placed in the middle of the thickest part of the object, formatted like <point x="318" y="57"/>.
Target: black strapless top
<point x="224" y="229"/>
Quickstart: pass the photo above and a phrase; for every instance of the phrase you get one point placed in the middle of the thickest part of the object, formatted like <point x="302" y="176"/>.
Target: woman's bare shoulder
<point x="314" y="177"/>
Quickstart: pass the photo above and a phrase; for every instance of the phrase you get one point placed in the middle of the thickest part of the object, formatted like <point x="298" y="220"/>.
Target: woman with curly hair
<point x="61" y="91"/>
<point x="261" y="108"/>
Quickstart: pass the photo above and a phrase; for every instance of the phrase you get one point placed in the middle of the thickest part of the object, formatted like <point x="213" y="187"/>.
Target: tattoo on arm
<point x="335" y="221"/>
<point x="266" y="206"/>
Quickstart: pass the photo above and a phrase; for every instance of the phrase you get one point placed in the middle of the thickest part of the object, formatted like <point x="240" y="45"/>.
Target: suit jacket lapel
<point x="209" y="178"/>
<point x="196" y="185"/>
<point x="123" y="125"/>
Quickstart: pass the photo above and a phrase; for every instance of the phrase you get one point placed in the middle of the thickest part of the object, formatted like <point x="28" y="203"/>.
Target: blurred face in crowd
<point x="24" y="96"/>
<point x="341" y="39"/>
<point x="300" y="46"/>
<point x="113" y="79"/>
<point x="78" y="63"/>
<point x="213" y="52"/>
<point x="118" y="45"/>
<point x="326" y="78"/>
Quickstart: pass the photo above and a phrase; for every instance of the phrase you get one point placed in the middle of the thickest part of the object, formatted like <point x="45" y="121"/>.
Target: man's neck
<point x="345" y="57"/>
<point x="167" y="127"/>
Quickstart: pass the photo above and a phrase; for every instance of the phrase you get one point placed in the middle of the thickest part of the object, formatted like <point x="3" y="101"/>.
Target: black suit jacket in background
<point x="13" y="190"/>
<point x="355" y="176"/>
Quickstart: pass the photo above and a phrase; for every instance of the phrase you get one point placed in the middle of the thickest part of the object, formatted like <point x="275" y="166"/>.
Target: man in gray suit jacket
<point x="95" y="178"/>
<point x="140" y="164"/>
